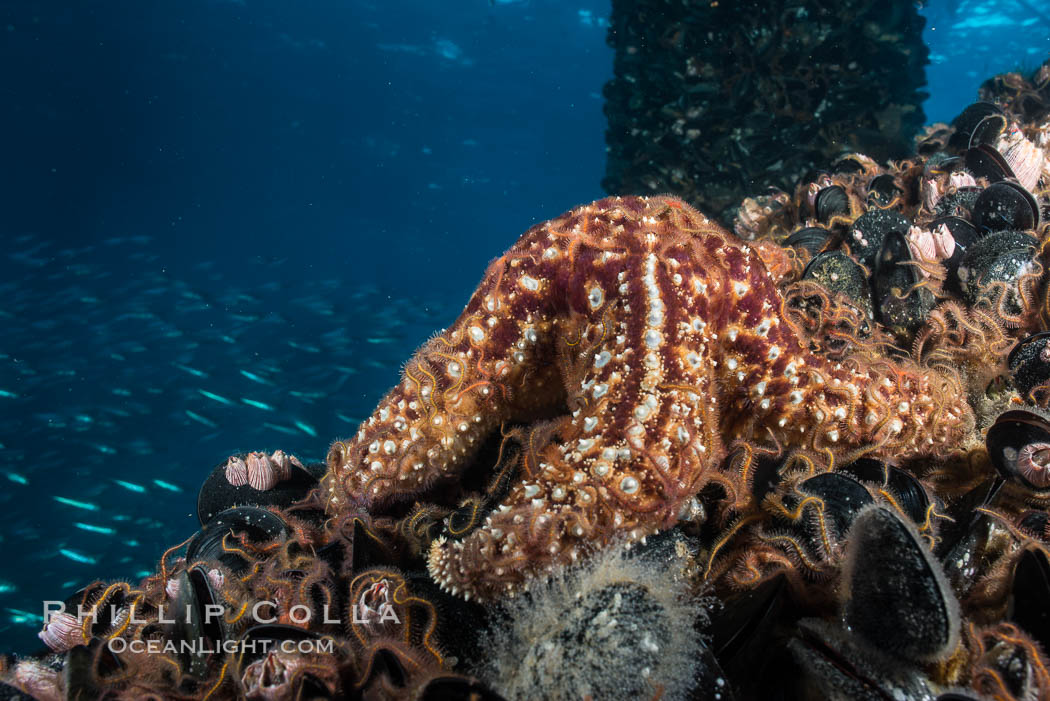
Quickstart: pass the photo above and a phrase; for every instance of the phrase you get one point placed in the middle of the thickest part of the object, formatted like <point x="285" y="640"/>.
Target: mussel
<point x="907" y="492"/>
<point x="842" y="498"/>
<point x="811" y="238"/>
<point x="221" y="538"/>
<point x="898" y="597"/>
<point x="883" y="191"/>
<point x="1006" y="206"/>
<point x="831" y="204"/>
<point x="988" y="129"/>
<point x="869" y="231"/>
<point x="897" y="611"/>
<point x="902" y="302"/>
<point x="837" y="272"/>
<point x="968" y="120"/>
<point x="993" y="266"/>
<point x="983" y="161"/>
<point x="1028" y="596"/>
<point x="1029" y="362"/>
<point x="959" y="203"/>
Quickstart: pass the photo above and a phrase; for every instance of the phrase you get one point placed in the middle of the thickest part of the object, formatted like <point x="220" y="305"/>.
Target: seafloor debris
<point x="716" y="100"/>
<point x="651" y="460"/>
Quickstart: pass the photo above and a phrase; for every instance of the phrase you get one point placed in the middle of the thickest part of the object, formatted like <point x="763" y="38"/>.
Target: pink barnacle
<point x="262" y="473"/>
<point x="961" y="178"/>
<point x="943" y="243"/>
<point x="216" y="579"/>
<point x="282" y="463"/>
<point x="931" y="194"/>
<point x="920" y="243"/>
<point x="934" y="246"/>
<point x="38" y="680"/>
<point x="236" y="471"/>
<point x="372" y="603"/>
<point x="62" y="632"/>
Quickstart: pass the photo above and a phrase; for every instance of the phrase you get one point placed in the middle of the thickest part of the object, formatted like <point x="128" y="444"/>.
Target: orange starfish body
<point x="662" y="336"/>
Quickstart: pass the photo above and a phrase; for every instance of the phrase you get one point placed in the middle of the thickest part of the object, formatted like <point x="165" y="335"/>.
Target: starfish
<point x="660" y="337"/>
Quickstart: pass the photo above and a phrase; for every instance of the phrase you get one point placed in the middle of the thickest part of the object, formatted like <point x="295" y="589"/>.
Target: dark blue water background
<point x="273" y="202"/>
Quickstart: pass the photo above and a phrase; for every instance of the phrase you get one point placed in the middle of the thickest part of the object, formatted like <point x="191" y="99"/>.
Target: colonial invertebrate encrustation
<point x="659" y="337"/>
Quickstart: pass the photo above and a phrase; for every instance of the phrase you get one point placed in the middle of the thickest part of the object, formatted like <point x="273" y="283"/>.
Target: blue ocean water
<point x="226" y="223"/>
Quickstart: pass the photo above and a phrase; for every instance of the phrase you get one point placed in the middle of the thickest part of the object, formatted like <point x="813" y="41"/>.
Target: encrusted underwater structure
<point x="653" y="458"/>
<point x="716" y="100"/>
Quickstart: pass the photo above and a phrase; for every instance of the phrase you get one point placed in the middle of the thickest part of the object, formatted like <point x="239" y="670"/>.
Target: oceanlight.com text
<point x="229" y="647"/>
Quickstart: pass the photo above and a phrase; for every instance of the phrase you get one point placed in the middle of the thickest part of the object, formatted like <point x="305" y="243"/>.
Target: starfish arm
<point x="457" y="389"/>
<point x="773" y="383"/>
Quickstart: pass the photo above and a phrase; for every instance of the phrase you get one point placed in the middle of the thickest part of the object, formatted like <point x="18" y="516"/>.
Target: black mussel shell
<point x="902" y="303"/>
<point x="960" y="203"/>
<point x="811" y="238"/>
<point x="193" y="623"/>
<point x="988" y="130"/>
<point x="967" y="538"/>
<point x="967" y="121"/>
<point x="1029" y="362"/>
<point x="963" y="514"/>
<point x="256" y="524"/>
<point x="1031" y="591"/>
<point x="957" y="696"/>
<point x="883" y="191"/>
<point x="387" y="672"/>
<point x="1001" y="257"/>
<point x="965" y="549"/>
<point x="1036" y="523"/>
<point x="850" y="163"/>
<point x="986" y="249"/>
<point x="1006" y="206"/>
<point x="898" y="598"/>
<point x="1018" y="445"/>
<point x="837" y="272"/>
<point x="458" y="621"/>
<point x="741" y="633"/>
<point x="837" y="664"/>
<point x="868" y="470"/>
<point x="832" y="202"/>
<point x="744" y="619"/>
<point x="908" y="493"/>
<point x="86" y="668"/>
<point x="983" y="161"/>
<point x="843" y="498"/>
<point x="217" y="494"/>
<point x="765" y="476"/>
<point x="866" y="236"/>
